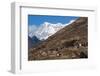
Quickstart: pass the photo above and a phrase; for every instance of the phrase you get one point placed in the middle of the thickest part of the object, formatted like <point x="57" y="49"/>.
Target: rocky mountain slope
<point x="70" y="42"/>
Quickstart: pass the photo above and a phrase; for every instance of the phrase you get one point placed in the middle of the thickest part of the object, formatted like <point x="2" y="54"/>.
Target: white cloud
<point x="31" y="29"/>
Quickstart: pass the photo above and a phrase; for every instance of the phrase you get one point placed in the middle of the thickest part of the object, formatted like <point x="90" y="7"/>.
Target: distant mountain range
<point x="67" y="43"/>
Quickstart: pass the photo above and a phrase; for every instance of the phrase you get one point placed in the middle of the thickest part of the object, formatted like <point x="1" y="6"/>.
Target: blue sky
<point x="40" y="19"/>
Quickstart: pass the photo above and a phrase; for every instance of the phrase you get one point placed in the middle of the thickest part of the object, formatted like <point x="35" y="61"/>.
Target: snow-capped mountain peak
<point x="47" y="29"/>
<point x="46" y="23"/>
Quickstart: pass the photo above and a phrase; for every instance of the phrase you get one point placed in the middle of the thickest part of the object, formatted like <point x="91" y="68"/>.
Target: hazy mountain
<point x="35" y="40"/>
<point x="30" y="43"/>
